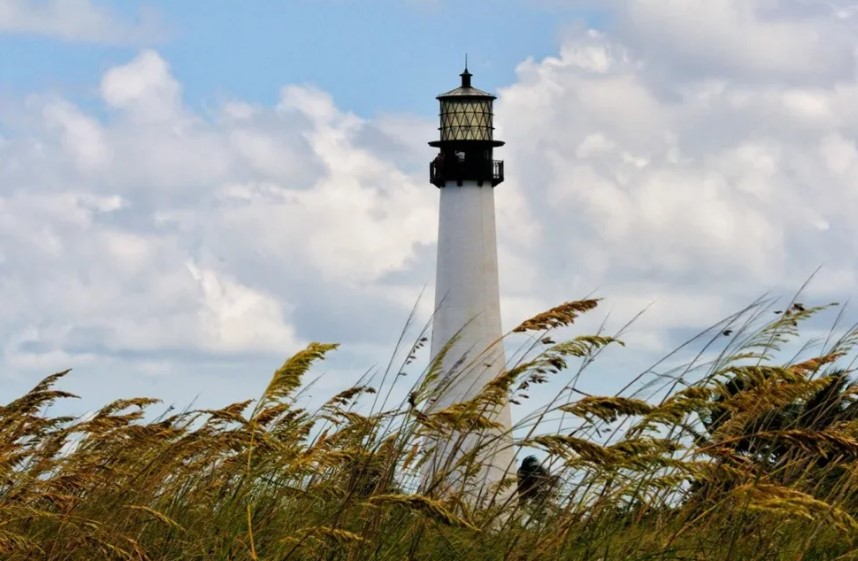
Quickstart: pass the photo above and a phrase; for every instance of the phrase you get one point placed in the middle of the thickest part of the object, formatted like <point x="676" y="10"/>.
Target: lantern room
<point x="467" y="138"/>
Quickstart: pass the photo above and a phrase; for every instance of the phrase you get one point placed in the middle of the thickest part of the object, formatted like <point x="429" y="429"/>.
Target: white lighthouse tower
<point x="467" y="300"/>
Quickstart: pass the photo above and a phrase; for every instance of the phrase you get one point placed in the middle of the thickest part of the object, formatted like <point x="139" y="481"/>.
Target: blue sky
<point x="190" y="192"/>
<point x="249" y="50"/>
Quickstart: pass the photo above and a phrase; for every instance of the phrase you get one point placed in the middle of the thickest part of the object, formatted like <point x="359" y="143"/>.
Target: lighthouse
<point x="466" y="326"/>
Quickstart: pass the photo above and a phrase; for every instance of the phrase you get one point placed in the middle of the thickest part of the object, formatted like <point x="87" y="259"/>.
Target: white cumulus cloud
<point x="692" y="156"/>
<point x="157" y="231"/>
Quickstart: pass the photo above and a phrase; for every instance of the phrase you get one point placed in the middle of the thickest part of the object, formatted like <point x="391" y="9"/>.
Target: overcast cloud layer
<point x="694" y="156"/>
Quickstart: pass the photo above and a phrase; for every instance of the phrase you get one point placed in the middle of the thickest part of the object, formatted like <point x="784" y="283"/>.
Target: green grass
<point x="741" y="457"/>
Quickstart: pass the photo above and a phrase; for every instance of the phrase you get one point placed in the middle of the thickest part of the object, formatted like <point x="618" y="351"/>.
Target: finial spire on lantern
<point x="466" y="76"/>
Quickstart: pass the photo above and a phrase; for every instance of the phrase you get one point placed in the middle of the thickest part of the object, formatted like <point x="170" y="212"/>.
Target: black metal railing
<point x="441" y="171"/>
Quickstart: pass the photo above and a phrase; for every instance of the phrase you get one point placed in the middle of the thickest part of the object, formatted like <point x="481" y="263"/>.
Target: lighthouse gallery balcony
<point x="453" y="169"/>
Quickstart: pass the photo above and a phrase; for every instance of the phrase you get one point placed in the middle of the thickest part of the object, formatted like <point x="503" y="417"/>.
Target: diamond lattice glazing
<point x="466" y="119"/>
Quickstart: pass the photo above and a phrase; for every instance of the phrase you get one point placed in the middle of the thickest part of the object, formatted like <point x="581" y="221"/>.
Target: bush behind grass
<point x="738" y="457"/>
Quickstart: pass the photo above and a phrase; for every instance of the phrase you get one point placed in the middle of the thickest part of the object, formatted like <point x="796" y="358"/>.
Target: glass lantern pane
<point x="466" y="119"/>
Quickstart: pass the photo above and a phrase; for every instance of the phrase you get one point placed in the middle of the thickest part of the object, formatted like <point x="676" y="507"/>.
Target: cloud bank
<point x="693" y="156"/>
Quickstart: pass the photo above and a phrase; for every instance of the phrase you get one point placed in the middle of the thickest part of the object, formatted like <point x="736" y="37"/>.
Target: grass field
<point x="737" y="458"/>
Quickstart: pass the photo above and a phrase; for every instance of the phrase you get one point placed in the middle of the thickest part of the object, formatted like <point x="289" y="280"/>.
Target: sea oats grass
<point x="739" y="455"/>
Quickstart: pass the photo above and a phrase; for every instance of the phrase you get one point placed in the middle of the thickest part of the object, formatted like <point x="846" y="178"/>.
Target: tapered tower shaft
<point x="467" y="326"/>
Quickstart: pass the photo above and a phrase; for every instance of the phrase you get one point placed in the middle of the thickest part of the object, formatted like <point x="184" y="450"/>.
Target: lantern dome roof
<point x="466" y="89"/>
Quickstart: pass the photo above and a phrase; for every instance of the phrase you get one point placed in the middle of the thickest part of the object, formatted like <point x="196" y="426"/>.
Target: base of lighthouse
<point x="467" y="303"/>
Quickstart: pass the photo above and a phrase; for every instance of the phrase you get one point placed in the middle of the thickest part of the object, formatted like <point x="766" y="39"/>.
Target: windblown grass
<point x="741" y="457"/>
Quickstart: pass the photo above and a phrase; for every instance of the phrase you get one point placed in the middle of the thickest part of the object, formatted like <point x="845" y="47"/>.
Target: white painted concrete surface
<point x="467" y="304"/>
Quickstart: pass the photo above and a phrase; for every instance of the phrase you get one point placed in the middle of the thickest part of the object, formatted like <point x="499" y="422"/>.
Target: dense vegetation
<point x="740" y="456"/>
